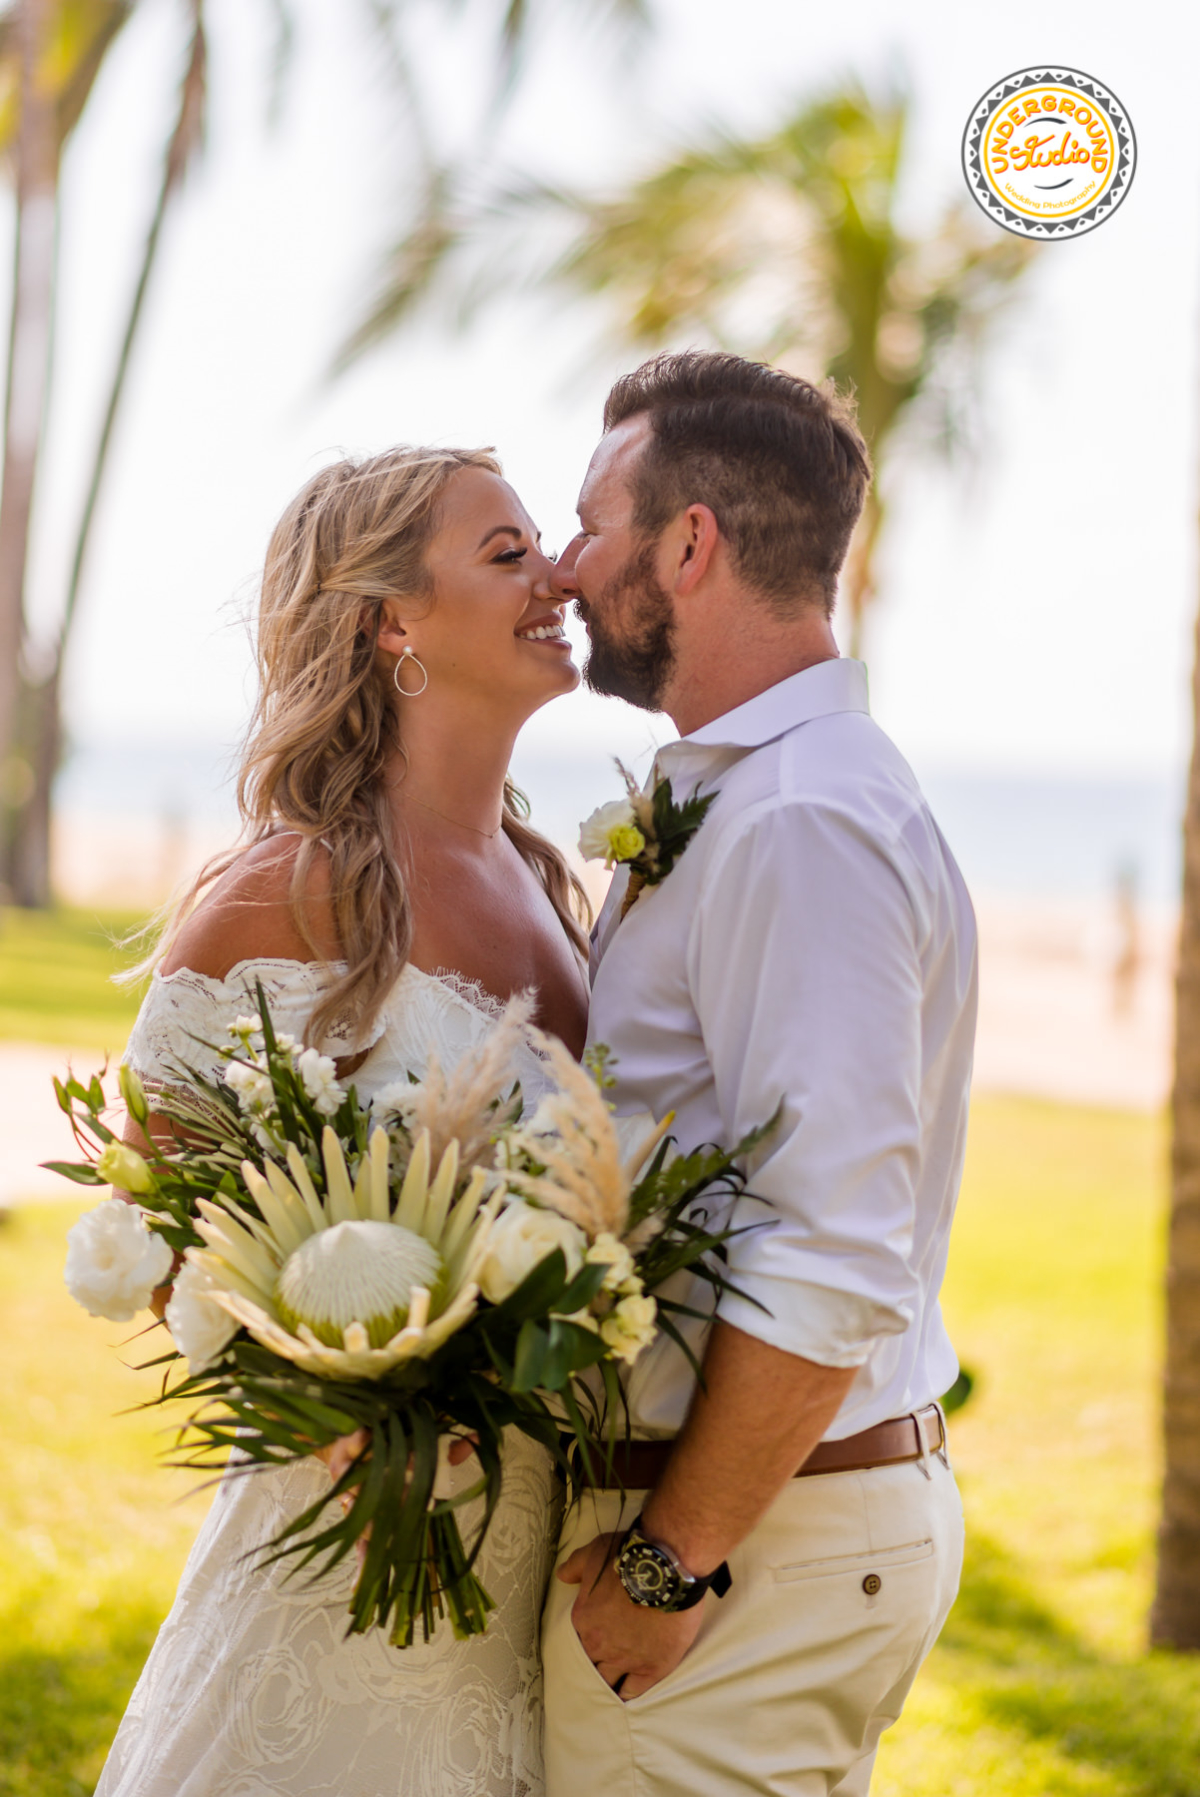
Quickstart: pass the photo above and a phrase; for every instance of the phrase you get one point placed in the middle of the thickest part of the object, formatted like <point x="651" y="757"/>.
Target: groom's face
<point x="613" y="574"/>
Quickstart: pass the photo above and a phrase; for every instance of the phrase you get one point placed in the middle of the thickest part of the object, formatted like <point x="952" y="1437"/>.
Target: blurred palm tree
<point x="1175" y="1618"/>
<point x="786" y="248"/>
<point x="51" y="53"/>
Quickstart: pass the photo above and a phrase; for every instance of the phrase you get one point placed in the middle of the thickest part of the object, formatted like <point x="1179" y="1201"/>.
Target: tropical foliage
<point x="789" y="247"/>
<point x="52" y="52"/>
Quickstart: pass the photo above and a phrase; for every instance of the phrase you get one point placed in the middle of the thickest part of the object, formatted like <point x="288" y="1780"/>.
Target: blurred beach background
<point x="1029" y="649"/>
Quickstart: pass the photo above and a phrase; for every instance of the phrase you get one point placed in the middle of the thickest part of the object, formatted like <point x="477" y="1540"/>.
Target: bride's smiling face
<point x="494" y="629"/>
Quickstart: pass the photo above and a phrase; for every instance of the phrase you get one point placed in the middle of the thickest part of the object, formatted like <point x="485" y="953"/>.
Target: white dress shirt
<point x="815" y="946"/>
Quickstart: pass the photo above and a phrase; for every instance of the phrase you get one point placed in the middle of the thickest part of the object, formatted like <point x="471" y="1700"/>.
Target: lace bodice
<point x="252" y="1688"/>
<point x="425" y="1015"/>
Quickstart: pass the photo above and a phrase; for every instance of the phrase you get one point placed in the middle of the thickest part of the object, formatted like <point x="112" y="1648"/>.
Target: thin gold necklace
<point x="488" y="835"/>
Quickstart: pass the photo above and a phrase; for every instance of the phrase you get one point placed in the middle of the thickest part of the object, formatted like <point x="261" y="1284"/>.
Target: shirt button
<point x="872" y="1583"/>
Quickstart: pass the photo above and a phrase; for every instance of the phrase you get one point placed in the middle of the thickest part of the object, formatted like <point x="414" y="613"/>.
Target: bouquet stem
<point x="439" y="1583"/>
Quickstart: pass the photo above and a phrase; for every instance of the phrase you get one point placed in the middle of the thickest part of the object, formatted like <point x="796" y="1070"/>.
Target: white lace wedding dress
<point x="252" y="1688"/>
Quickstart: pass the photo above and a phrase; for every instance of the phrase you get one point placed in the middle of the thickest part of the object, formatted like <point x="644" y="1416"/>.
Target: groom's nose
<point x="562" y="575"/>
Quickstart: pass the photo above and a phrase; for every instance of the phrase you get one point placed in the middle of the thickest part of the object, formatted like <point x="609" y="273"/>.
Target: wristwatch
<point x="653" y="1577"/>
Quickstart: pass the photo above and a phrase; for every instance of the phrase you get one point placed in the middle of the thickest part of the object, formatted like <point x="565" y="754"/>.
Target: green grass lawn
<point x="1041" y="1686"/>
<point x="56" y="972"/>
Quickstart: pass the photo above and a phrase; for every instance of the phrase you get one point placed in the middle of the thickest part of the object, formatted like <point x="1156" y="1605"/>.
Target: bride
<point x="392" y="897"/>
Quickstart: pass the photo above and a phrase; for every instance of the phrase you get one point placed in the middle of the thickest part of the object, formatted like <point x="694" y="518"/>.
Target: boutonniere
<point x="646" y="832"/>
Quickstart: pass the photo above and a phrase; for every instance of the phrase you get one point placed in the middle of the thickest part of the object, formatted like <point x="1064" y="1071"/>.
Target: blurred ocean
<point x="1075" y="882"/>
<point x="1014" y="834"/>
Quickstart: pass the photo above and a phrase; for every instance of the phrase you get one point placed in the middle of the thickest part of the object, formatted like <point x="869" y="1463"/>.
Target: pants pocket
<point x="909" y="1553"/>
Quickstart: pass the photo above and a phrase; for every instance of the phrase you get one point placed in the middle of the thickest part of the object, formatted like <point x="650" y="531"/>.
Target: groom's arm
<point x="804" y="969"/>
<point x="759" y="1417"/>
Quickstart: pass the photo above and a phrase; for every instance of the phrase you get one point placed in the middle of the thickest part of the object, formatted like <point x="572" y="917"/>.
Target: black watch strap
<point x="718" y="1582"/>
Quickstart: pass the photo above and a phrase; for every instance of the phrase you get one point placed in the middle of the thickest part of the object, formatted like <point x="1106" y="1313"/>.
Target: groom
<point x="750" y="1614"/>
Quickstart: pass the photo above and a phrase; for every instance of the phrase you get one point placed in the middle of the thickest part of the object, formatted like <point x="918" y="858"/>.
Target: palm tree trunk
<point x="42" y="745"/>
<point x="28" y="365"/>
<point x="1175" y="1619"/>
<point x="31" y="854"/>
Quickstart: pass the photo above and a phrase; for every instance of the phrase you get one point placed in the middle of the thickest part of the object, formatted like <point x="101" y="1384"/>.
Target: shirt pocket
<point x="909" y="1553"/>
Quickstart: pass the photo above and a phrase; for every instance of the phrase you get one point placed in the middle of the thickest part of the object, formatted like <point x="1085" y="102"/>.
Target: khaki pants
<point x="837" y="1597"/>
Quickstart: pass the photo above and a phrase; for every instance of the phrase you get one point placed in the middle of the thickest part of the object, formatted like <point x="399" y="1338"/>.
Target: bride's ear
<point x="392" y="636"/>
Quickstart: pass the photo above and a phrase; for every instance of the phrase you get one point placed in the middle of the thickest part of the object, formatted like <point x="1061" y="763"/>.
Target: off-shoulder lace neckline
<point x="467" y="991"/>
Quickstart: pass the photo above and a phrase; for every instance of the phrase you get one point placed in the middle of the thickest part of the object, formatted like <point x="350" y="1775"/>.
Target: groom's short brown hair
<point x="779" y="461"/>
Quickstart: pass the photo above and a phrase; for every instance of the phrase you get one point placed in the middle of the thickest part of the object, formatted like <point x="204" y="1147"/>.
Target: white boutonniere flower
<point x="645" y="831"/>
<point x="611" y="834"/>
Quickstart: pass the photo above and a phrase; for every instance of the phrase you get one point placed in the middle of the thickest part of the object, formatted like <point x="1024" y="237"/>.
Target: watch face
<point x="648" y="1575"/>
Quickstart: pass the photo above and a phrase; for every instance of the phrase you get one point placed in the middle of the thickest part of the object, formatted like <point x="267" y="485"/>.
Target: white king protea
<point x="341" y="1285"/>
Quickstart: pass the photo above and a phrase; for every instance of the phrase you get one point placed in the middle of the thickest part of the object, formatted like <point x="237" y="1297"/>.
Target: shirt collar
<point x="816" y="692"/>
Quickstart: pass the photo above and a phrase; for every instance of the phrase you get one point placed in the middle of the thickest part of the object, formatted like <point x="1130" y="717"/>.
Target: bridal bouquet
<point x="433" y="1265"/>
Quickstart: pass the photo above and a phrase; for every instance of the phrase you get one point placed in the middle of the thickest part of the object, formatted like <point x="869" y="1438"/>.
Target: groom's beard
<point x="636" y="665"/>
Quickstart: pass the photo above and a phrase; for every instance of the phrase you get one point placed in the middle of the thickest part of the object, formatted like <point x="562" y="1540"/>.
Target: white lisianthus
<point x="114" y="1262"/>
<point x="199" y="1328"/>
<point x="522" y="1237"/>
<point x="121" y="1166"/>
<point x="629" y="1327"/>
<point x="616" y="1256"/>
<point x="611" y="834"/>
<point x="245" y="1027"/>
<point x="252" y="1086"/>
<point x="134" y="1094"/>
<point x="320" y="1081"/>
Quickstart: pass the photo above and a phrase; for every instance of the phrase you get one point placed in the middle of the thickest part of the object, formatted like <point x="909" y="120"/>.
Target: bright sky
<point x="1037" y="607"/>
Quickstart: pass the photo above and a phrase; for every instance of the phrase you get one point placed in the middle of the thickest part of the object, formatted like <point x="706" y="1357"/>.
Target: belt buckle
<point x="924" y="1452"/>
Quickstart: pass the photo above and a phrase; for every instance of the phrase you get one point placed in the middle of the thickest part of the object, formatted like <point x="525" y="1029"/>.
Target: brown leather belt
<point x="638" y="1465"/>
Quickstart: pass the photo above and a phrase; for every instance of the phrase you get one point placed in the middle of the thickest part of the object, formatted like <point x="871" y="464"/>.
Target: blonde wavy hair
<point x="325" y="723"/>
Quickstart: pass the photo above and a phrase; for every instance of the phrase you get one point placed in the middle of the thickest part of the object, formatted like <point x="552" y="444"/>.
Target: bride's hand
<point x="339" y="1455"/>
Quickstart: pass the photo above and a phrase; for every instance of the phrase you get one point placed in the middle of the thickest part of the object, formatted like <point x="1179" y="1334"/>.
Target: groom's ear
<point x="697" y="542"/>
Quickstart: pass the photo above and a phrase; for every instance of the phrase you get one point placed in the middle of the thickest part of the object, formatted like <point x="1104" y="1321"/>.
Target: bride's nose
<point x="545" y="582"/>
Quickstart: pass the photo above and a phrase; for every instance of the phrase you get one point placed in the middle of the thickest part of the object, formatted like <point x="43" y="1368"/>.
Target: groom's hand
<point x="631" y="1646"/>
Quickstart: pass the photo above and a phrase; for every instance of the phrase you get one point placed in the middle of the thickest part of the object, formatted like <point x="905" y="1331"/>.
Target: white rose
<point x="320" y="1081"/>
<point x="521" y="1239"/>
<point x="199" y="1328"/>
<point x="611" y="833"/>
<point x="630" y="1327"/>
<point x="114" y="1262"/>
<point x="616" y="1256"/>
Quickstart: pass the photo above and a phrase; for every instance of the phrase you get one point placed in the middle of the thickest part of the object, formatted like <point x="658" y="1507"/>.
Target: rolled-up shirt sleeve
<point x="804" y="964"/>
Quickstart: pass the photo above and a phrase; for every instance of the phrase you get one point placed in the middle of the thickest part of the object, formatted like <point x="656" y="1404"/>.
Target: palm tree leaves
<point x="787" y="246"/>
<point x="78" y="38"/>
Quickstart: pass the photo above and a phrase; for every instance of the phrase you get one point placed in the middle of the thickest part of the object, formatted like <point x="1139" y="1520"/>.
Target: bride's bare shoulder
<point x="248" y="914"/>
